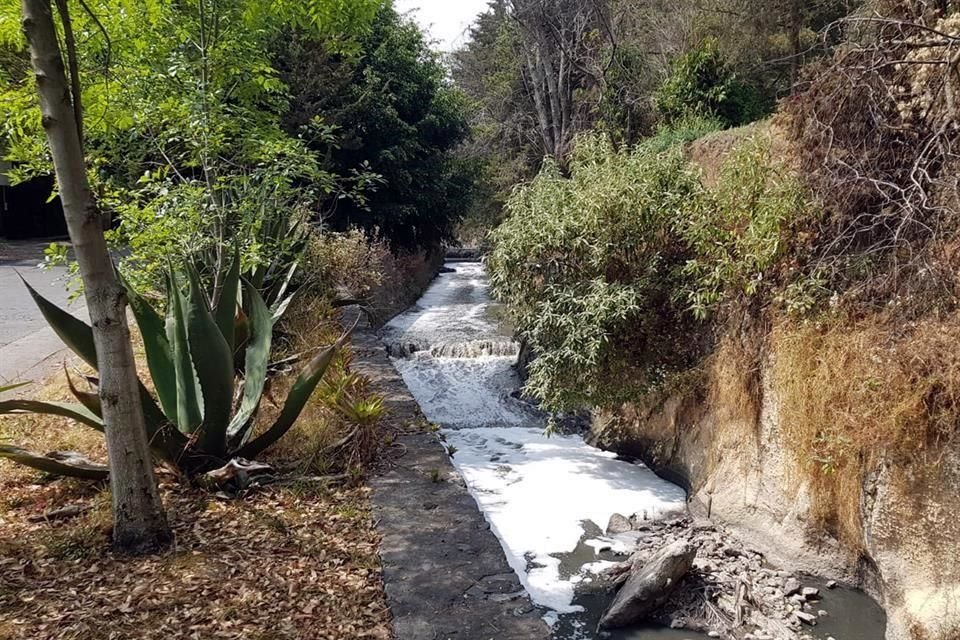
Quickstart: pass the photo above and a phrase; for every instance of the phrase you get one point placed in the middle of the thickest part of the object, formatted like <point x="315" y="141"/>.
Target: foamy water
<point x="538" y="493"/>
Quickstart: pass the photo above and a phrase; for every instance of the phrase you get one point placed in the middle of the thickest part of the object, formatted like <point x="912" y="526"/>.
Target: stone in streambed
<point x="618" y="524"/>
<point x="791" y="586"/>
<point x="810" y="593"/>
<point x="649" y="587"/>
<point x="806" y="618"/>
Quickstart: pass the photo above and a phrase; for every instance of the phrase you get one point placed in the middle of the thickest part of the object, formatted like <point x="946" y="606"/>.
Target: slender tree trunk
<point x="796" y="26"/>
<point x="537" y="83"/>
<point x="139" y="521"/>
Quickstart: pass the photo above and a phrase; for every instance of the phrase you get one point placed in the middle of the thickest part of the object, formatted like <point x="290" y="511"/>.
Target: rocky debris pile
<point x="726" y="590"/>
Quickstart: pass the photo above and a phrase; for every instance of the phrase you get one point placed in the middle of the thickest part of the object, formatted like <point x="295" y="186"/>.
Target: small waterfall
<point x="475" y="349"/>
<point x="468" y="349"/>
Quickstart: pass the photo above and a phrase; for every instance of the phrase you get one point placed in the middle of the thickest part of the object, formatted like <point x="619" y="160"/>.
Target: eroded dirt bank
<point x="740" y="470"/>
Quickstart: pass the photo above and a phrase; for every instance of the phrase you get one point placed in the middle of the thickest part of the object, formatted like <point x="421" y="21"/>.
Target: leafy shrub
<point x="588" y="266"/>
<point x="702" y="83"/>
<point x="685" y="129"/>
<point x="738" y="239"/>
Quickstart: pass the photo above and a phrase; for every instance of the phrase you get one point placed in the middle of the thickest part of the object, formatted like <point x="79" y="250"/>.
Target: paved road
<point x="18" y="313"/>
<point x="28" y="348"/>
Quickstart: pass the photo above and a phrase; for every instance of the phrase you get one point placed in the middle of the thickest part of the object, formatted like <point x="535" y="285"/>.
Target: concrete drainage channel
<point x="545" y="569"/>
<point x="444" y="570"/>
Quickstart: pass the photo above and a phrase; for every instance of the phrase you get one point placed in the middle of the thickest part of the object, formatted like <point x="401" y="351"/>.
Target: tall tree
<point x="139" y="521"/>
<point x="392" y="113"/>
<point x="563" y="56"/>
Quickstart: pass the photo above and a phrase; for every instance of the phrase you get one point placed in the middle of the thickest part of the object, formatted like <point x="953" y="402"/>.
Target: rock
<point x="810" y="593"/>
<point x="791" y="586"/>
<point x="618" y="524"/>
<point x="822" y="614"/>
<point x="831" y="584"/>
<point x="649" y="587"/>
<point x="806" y="618"/>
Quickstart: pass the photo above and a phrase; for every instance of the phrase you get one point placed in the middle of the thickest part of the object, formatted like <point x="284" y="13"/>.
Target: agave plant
<point x="208" y="364"/>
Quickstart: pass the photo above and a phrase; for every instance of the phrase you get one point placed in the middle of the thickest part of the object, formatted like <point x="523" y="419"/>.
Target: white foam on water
<point x="535" y="491"/>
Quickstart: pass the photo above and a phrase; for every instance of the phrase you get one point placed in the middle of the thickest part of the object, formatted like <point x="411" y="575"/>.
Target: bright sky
<point x="446" y="21"/>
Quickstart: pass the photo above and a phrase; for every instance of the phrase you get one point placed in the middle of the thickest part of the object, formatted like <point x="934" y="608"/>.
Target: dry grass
<point x="850" y="395"/>
<point x="734" y="378"/>
<point x="292" y="562"/>
<point x="711" y="152"/>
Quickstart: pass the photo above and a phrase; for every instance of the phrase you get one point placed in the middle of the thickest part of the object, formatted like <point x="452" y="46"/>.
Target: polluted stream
<point x="546" y="497"/>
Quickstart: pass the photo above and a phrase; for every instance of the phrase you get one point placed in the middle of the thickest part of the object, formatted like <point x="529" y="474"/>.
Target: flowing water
<point x="546" y="498"/>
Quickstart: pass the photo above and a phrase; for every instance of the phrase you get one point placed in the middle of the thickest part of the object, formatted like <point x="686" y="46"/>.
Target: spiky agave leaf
<point x="213" y="361"/>
<point x="70" y="410"/>
<point x="15" y="385"/>
<point x="158" y="349"/>
<point x="296" y="400"/>
<point x="59" y="464"/>
<point x="257" y="358"/>
<point x="91" y="401"/>
<point x="225" y="311"/>
<point x="189" y="411"/>
<point x="75" y="333"/>
<point x="78" y="336"/>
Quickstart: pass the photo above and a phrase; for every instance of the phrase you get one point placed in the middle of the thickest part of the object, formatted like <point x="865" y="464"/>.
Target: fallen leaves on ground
<point x="286" y="563"/>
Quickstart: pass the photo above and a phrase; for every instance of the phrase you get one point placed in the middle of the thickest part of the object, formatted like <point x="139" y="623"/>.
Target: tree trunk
<point x="139" y="521"/>
<point x="796" y="26"/>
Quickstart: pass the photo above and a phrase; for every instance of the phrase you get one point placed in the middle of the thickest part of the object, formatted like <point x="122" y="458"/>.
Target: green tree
<point x="394" y="115"/>
<point x="138" y="516"/>
<point x="702" y="83"/>
<point x="184" y="109"/>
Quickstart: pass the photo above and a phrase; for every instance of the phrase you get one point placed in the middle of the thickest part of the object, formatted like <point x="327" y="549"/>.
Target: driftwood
<point x="64" y="513"/>
<point x="238" y="474"/>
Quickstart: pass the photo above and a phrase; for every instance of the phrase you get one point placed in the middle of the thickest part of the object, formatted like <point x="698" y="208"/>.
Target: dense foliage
<point x="609" y="271"/>
<point x="199" y="354"/>
<point x="630" y="69"/>
<point x="202" y="128"/>
<point x="588" y="265"/>
<point x="701" y="82"/>
<point x="393" y="114"/>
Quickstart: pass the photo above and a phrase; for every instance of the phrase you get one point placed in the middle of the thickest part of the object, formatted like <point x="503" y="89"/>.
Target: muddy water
<point x="546" y="498"/>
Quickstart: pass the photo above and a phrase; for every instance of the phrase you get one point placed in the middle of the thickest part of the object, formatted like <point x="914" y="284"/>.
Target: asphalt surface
<point x="19" y="316"/>
<point x="29" y="349"/>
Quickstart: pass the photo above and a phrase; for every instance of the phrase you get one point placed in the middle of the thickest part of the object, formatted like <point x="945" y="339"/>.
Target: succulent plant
<point x="208" y="364"/>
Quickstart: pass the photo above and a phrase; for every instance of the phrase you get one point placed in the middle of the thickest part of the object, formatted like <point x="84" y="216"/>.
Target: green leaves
<point x="213" y="361"/>
<point x="296" y="400"/>
<point x="738" y="237"/>
<point x="257" y="359"/>
<point x="226" y="308"/>
<point x="588" y="265"/>
<point x="189" y="415"/>
<point x="77" y="412"/>
<point x="76" y="334"/>
<point x="160" y="356"/>
<point x="193" y="368"/>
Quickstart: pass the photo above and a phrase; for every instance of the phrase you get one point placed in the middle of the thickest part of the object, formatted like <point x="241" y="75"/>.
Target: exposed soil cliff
<point x="742" y="468"/>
